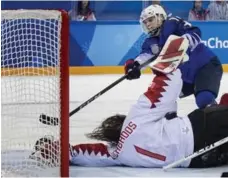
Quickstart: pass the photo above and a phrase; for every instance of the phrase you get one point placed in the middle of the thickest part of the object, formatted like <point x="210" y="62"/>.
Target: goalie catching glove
<point x="46" y="151"/>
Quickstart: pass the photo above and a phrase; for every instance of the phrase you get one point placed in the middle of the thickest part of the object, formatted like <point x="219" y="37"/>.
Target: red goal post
<point x="34" y="79"/>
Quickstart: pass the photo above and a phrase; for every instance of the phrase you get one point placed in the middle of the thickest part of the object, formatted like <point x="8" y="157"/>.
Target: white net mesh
<point x="30" y="86"/>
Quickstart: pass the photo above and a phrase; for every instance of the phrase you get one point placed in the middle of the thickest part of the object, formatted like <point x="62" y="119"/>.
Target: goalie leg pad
<point x="210" y="125"/>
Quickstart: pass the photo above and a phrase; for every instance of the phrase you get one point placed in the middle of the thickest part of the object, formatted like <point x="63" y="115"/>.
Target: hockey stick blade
<point x="49" y="120"/>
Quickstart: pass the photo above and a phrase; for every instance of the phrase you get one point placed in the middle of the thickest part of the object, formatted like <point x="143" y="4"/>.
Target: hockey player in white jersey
<point x="152" y="135"/>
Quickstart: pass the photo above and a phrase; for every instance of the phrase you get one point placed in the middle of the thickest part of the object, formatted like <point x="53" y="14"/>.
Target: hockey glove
<point x="46" y="151"/>
<point x="132" y="69"/>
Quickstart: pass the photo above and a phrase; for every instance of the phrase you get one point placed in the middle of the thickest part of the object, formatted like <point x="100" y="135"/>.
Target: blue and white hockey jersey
<point x="199" y="54"/>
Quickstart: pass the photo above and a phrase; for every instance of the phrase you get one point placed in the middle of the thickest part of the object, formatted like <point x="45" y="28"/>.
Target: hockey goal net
<point x="34" y="80"/>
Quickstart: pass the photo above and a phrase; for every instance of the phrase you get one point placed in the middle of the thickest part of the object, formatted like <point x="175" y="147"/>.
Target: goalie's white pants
<point x="152" y="140"/>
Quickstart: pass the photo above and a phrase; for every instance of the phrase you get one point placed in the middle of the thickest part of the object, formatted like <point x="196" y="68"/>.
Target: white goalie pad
<point x="172" y="54"/>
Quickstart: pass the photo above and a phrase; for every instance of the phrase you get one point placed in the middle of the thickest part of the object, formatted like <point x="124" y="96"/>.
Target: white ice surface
<point x="118" y="100"/>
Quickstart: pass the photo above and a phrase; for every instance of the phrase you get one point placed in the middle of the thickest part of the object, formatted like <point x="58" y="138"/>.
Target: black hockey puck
<point x="224" y="174"/>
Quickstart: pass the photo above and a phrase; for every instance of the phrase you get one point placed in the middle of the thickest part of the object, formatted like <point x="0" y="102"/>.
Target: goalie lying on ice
<point x="152" y="135"/>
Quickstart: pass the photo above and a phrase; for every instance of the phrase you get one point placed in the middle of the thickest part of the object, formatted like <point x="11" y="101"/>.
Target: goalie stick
<point x="177" y="51"/>
<point x="197" y="153"/>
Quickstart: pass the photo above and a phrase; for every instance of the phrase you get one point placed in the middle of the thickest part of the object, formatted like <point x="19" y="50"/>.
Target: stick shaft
<point x="97" y="95"/>
<point x="197" y="153"/>
<point x="107" y="88"/>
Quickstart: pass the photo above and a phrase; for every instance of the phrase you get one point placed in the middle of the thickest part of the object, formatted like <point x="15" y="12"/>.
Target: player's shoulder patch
<point x="155" y="49"/>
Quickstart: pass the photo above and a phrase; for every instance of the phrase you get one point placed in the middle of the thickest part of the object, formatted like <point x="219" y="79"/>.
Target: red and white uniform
<point x="147" y="139"/>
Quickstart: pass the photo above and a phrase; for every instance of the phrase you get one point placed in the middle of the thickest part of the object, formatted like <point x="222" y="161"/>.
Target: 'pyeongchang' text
<point x="215" y="42"/>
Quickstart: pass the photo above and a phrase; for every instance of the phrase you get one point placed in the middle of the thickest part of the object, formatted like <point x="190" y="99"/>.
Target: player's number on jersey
<point x="186" y="24"/>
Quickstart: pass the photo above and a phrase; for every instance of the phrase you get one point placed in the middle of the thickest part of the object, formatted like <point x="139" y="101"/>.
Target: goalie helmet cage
<point x="34" y="79"/>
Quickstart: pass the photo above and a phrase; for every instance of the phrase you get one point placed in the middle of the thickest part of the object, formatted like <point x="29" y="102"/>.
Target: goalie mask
<point x="151" y="19"/>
